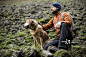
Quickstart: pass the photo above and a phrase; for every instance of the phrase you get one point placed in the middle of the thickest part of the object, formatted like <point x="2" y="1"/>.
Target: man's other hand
<point x="58" y="25"/>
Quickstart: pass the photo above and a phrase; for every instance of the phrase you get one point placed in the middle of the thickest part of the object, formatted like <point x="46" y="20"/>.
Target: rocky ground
<point x="15" y="41"/>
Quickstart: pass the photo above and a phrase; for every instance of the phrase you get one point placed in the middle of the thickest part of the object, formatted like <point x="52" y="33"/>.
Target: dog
<point x="39" y="35"/>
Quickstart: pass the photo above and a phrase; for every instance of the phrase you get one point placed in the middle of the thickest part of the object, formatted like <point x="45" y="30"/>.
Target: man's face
<point x="54" y="10"/>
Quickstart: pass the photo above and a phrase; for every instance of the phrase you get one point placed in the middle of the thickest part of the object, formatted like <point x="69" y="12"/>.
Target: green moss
<point x="9" y="32"/>
<point x="3" y="34"/>
<point x="22" y="22"/>
<point x="75" y="49"/>
<point x="6" y="53"/>
<point x="62" y="53"/>
<point x="27" y="50"/>
<point x="21" y="34"/>
<point x="81" y="34"/>
<point x="25" y="14"/>
<point x="40" y="52"/>
<point x="2" y="13"/>
<point x="28" y="40"/>
<point x="30" y="43"/>
<point x="13" y="46"/>
<point x="53" y="38"/>
<point x="3" y="44"/>
<point x="83" y="38"/>
<point x="9" y="42"/>
<point x="2" y="39"/>
<point x="20" y="43"/>
<point x="76" y="46"/>
<point x="83" y="50"/>
<point x="50" y="17"/>
<point x="41" y="20"/>
<point x="10" y="36"/>
<point x="78" y="51"/>
<point x="51" y="34"/>
<point x="28" y="31"/>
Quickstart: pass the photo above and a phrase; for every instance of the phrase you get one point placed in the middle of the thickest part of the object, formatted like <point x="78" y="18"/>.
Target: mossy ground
<point x="13" y="36"/>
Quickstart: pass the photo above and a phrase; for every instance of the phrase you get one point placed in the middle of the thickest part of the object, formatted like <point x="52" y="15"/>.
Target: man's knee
<point x="63" y="24"/>
<point x="47" y="45"/>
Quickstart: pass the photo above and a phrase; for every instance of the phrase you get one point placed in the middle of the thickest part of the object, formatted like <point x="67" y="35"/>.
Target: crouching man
<point x="64" y="34"/>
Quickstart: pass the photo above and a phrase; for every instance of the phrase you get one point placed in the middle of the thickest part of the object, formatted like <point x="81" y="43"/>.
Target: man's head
<point x="55" y="8"/>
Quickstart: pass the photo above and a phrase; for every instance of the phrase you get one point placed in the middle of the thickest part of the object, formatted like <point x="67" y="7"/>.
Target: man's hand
<point x="58" y="25"/>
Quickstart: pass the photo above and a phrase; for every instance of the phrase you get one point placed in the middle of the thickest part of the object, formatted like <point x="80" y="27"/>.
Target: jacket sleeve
<point x="48" y="25"/>
<point x="67" y="19"/>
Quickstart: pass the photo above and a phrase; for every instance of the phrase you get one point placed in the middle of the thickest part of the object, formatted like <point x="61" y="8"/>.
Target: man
<point x="62" y="27"/>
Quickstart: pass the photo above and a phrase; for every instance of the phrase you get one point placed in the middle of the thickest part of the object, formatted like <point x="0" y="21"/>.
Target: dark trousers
<point x="63" y="40"/>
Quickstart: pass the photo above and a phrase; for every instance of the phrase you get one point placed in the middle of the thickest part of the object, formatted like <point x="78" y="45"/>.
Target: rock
<point x="29" y="52"/>
<point x="47" y="53"/>
<point x="15" y="53"/>
<point x="6" y="53"/>
<point x="84" y="20"/>
<point x="21" y="11"/>
<point x="76" y="47"/>
<point x="75" y="43"/>
<point x="65" y="5"/>
<point x="84" y="14"/>
<point x="81" y="8"/>
<point x="33" y="12"/>
<point x="62" y="53"/>
<point x="79" y="51"/>
<point x="17" y="19"/>
<point x="6" y="22"/>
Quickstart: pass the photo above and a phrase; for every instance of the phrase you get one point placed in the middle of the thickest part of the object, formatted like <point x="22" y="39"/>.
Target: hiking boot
<point x="53" y="50"/>
<point x="47" y="52"/>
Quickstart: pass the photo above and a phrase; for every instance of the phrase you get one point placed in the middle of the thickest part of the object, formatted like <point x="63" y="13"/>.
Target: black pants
<point x="63" y="40"/>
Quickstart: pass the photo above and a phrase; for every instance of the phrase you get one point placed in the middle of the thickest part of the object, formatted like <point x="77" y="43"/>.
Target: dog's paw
<point x="42" y="49"/>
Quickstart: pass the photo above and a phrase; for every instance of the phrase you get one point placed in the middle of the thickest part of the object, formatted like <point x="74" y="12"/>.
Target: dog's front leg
<point x="34" y="42"/>
<point x="41" y="41"/>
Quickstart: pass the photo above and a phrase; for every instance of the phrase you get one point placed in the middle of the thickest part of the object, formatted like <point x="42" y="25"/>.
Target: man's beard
<point x="55" y="12"/>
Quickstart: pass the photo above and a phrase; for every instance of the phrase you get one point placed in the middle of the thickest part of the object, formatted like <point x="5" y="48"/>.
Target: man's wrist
<point x="62" y="21"/>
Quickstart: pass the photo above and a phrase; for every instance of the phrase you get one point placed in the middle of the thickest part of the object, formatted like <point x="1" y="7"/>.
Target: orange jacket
<point x="58" y="17"/>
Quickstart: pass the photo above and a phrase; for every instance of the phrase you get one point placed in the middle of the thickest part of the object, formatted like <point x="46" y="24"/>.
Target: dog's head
<point x="31" y="24"/>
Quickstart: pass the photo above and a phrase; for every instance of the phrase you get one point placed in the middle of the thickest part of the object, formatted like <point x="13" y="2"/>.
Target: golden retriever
<point x="39" y="35"/>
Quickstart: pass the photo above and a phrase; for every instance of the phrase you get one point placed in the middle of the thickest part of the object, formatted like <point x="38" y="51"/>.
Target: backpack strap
<point x="62" y="15"/>
<point x="55" y="22"/>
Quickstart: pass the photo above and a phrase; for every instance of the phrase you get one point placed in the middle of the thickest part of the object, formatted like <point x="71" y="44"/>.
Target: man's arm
<point x="48" y="25"/>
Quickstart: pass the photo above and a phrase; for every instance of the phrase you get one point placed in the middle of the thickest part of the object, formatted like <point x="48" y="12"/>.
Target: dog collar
<point x="35" y="27"/>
